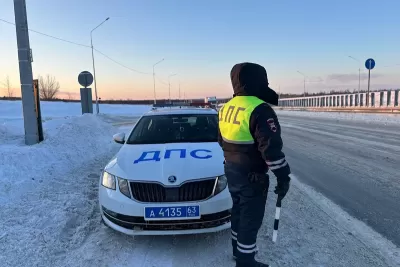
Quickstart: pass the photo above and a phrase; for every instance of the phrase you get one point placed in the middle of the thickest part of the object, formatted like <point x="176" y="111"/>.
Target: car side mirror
<point x="119" y="138"/>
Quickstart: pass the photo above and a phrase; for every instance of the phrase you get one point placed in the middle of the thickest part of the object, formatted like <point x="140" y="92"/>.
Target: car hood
<point x="138" y="162"/>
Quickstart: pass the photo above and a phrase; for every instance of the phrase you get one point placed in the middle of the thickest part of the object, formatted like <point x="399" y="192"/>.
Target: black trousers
<point x="249" y="198"/>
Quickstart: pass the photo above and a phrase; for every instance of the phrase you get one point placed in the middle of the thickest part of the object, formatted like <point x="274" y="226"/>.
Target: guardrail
<point x="394" y="110"/>
<point x="383" y="100"/>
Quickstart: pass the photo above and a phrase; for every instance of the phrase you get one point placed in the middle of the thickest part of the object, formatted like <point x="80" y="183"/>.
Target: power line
<point x="83" y="45"/>
<point x="122" y="65"/>
<point x="60" y="39"/>
<point x="161" y="81"/>
<point x="7" y="22"/>
<point x="50" y="36"/>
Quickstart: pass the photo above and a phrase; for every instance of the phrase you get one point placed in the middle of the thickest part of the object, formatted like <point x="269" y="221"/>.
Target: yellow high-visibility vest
<point x="234" y="119"/>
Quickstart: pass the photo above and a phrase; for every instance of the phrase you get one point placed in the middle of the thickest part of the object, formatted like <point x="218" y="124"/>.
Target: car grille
<point x="190" y="191"/>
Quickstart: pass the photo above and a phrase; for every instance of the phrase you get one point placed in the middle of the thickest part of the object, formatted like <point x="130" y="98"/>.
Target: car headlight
<point x="222" y="182"/>
<point x="108" y="181"/>
<point x="124" y="187"/>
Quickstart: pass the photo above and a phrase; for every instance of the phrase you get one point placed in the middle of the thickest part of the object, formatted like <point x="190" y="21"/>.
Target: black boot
<point x="260" y="264"/>
<point x="234" y="256"/>
<point x="253" y="264"/>
<point x="234" y="249"/>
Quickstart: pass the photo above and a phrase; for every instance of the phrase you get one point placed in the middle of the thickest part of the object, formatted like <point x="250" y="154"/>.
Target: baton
<point x="276" y="222"/>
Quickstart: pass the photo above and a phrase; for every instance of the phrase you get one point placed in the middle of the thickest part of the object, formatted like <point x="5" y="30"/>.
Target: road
<point x="311" y="234"/>
<point x="354" y="164"/>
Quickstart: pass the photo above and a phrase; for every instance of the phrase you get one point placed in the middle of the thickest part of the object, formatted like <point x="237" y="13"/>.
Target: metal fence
<point x="378" y="99"/>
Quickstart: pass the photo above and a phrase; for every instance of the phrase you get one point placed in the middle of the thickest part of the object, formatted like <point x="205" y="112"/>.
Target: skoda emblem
<point x="172" y="179"/>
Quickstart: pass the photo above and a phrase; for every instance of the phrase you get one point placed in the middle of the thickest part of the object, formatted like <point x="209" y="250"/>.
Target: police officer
<point x="250" y="136"/>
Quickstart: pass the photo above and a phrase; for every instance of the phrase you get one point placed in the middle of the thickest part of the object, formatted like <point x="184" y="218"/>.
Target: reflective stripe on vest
<point x="234" y="119"/>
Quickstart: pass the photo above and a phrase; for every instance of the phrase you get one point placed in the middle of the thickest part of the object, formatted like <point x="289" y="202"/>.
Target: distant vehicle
<point x="168" y="177"/>
<point x="210" y="99"/>
<point x="219" y="106"/>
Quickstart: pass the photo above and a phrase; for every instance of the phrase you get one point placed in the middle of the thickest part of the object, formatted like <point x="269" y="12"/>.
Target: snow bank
<point x="10" y="130"/>
<point x="48" y="192"/>
<point x="336" y="233"/>
<point x="367" y="118"/>
<point x="68" y="142"/>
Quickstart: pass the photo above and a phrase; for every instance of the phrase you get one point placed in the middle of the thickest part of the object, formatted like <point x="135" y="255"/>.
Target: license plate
<point x="172" y="213"/>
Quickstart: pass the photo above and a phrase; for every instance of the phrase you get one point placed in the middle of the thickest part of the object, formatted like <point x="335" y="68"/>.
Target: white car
<point x="168" y="177"/>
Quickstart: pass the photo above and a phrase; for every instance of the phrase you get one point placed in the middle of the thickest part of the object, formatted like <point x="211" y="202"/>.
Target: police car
<point x="168" y="177"/>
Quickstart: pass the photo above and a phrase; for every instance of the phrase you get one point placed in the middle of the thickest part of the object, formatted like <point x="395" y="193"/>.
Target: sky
<point x="200" y="41"/>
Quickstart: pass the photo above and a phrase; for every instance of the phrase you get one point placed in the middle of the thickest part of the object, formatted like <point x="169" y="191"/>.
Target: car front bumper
<point x="127" y="215"/>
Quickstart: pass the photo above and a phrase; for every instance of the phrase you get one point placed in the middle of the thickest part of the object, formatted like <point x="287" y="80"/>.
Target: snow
<point x="49" y="212"/>
<point x="347" y="233"/>
<point x="13" y="109"/>
<point x="11" y="116"/>
<point x="345" y="116"/>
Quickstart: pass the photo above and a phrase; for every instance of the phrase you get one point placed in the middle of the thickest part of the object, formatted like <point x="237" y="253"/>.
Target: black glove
<point x="261" y="180"/>
<point x="283" y="187"/>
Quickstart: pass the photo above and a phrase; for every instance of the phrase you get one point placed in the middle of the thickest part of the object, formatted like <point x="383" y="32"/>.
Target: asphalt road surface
<point x="355" y="164"/>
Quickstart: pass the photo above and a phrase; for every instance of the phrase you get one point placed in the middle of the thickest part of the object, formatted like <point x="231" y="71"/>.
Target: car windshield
<point x="181" y="128"/>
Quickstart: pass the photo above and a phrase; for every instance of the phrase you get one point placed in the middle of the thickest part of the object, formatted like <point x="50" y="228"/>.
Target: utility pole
<point x="94" y="69"/>
<point x="25" y="73"/>
<point x="304" y="82"/>
<point x="279" y="91"/>
<point x="154" y="80"/>
<point x="169" y="87"/>
<point x="179" y="90"/>
<point x="304" y="85"/>
<point x="359" y="72"/>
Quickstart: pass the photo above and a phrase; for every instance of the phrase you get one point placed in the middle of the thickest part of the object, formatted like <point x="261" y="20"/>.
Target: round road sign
<point x="370" y="64"/>
<point x="85" y="78"/>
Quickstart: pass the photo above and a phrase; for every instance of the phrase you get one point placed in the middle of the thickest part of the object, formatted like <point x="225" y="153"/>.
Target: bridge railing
<point x="378" y="99"/>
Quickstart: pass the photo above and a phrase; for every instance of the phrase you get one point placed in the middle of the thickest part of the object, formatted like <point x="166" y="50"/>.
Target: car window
<point x="161" y="129"/>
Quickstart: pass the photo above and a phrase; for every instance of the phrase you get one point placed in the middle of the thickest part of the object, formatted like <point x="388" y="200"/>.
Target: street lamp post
<point x="279" y="90"/>
<point x="179" y="90"/>
<point x="359" y="72"/>
<point x="154" y="79"/>
<point x="94" y="69"/>
<point x="169" y="86"/>
<point x="304" y="84"/>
